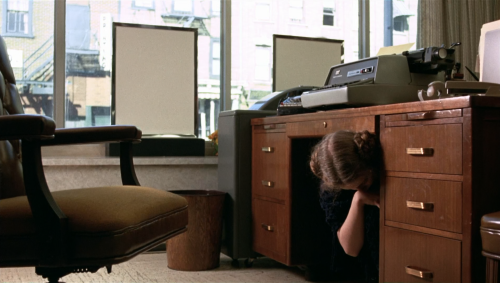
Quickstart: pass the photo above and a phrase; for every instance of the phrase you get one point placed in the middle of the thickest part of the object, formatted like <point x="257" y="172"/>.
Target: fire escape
<point x="36" y="85"/>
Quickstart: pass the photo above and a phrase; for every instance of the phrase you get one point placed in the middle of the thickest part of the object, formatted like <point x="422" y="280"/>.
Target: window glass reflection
<point x="89" y="53"/>
<point x="28" y="31"/>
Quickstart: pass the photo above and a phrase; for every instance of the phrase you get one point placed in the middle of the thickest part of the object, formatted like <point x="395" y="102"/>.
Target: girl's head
<point x="346" y="160"/>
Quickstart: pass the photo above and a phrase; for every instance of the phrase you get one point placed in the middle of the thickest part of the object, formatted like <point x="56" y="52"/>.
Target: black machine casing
<point x="163" y="146"/>
<point x="235" y="178"/>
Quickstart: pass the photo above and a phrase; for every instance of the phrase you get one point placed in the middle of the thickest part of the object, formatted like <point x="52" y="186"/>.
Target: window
<point x="402" y="29"/>
<point x="263" y="63"/>
<point x="31" y="58"/>
<point x="17" y="18"/>
<point x="142" y="4"/>
<point x="183" y="7"/>
<point x="215" y="58"/>
<point x="401" y="12"/>
<point x="328" y="13"/>
<point x="89" y="52"/>
<point x="401" y="23"/>
<point x="296" y="10"/>
<point x="215" y="7"/>
<point x="263" y="11"/>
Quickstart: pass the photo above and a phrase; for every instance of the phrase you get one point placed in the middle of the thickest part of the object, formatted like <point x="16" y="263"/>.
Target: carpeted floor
<point x="152" y="267"/>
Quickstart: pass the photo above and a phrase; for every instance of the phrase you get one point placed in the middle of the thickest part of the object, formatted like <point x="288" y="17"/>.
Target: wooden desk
<point x="431" y="203"/>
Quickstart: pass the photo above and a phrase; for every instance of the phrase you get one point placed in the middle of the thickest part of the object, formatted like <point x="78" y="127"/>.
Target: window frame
<point x="269" y="66"/>
<point x="5" y="12"/>
<point x="59" y="52"/>
<point x="140" y="7"/>
<point x="214" y="61"/>
<point x="215" y="12"/>
<point x="177" y="12"/>
<point x="292" y="7"/>
<point x="328" y="14"/>
<point x="268" y="3"/>
<point x="403" y="20"/>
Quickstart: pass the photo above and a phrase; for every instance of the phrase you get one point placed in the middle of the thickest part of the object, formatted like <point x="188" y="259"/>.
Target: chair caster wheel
<point x="249" y="262"/>
<point x="235" y="263"/>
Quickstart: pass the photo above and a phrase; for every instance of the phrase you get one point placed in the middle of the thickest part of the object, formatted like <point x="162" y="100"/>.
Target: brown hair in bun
<point x="342" y="157"/>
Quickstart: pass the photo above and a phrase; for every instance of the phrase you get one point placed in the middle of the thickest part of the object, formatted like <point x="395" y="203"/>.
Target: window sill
<point x="138" y="161"/>
<point x="17" y="35"/>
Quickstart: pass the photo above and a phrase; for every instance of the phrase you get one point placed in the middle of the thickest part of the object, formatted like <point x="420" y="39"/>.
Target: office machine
<point x="382" y="79"/>
<point x="234" y="178"/>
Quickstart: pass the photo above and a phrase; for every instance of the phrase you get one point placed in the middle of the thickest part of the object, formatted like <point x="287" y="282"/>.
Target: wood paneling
<point x="270" y="165"/>
<point x="444" y="140"/>
<point x="438" y="255"/>
<point x="427" y="115"/>
<point x="445" y="197"/>
<point x="460" y="178"/>
<point x="322" y="127"/>
<point x="269" y="233"/>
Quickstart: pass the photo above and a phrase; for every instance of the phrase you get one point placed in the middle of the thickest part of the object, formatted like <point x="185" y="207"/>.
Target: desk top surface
<point x="417" y="106"/>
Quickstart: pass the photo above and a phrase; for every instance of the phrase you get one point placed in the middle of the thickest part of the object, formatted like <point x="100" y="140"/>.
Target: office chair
<point x="78" y="230"/>
<point x="490" y="237"/>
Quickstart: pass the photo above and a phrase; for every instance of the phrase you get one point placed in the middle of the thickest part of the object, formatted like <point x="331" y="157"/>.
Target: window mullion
<point x="59" y="84"/>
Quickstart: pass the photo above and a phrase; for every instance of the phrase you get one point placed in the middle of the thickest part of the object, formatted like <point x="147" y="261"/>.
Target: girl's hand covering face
<point x="368" y="198"/>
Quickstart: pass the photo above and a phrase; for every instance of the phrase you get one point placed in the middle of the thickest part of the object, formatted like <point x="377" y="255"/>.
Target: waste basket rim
<point x="198" y="193"/>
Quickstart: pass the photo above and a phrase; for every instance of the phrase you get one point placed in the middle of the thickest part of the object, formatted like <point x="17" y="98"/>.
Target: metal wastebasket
<point x="199" y="247"/>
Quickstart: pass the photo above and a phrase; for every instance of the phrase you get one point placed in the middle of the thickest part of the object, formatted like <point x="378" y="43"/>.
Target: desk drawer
<point x="269" y="233"/>
<point x="270" y="165"/>
<point x="424" y="149"/>
<point x="323" y="127"/>
<point x="438" y="256"/>
<point x="428" y="203"/>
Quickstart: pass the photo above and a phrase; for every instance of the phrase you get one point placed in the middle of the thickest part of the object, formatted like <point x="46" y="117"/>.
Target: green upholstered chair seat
<point x="104" y="223"/>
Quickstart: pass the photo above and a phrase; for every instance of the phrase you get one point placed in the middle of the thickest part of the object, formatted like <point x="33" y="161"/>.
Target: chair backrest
<point x="11" y="171"/>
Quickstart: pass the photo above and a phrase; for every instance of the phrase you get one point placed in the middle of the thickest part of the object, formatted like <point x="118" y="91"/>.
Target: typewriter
<point x="381" y="80"/>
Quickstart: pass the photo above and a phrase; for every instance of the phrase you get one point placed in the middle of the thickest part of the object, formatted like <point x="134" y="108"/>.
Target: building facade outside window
<point x="404" y="24"/>
<point x="296" y="10"/>
<point x="329" y="13"/>
<point x="215" y="7"/>
<point x="143" y="4"/>
<point x="183" y="7"/>
<point x="263" y="11"/>
<point x="215" y="58"/>
<point x="401" y="23"/>
<point x="263" y="63"/>
<point x="253" y="23"/>
<point x="17" y="18"/>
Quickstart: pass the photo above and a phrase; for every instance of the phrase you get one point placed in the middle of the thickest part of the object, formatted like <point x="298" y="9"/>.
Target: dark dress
<point x="336" y="205"/>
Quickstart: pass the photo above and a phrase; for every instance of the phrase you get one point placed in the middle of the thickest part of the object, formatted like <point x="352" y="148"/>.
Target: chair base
<point x="492" y="271"/>
<point x="53" y="274"/>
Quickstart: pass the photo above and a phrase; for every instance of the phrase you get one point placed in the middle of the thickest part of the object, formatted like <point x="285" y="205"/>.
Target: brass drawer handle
<point x="419" y="205"/>
<point x="269" y="127"/>
<point x="419" y="116"/>
<point x="267" y="183"/>
<point x="268" y="149"/>
<point x="268" y="227"/>
<point x="426" y="151"/>
<point x="411" y="270"/>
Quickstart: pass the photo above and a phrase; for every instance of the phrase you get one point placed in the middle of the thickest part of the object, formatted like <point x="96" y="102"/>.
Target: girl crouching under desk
<point x="348" y="163"/>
